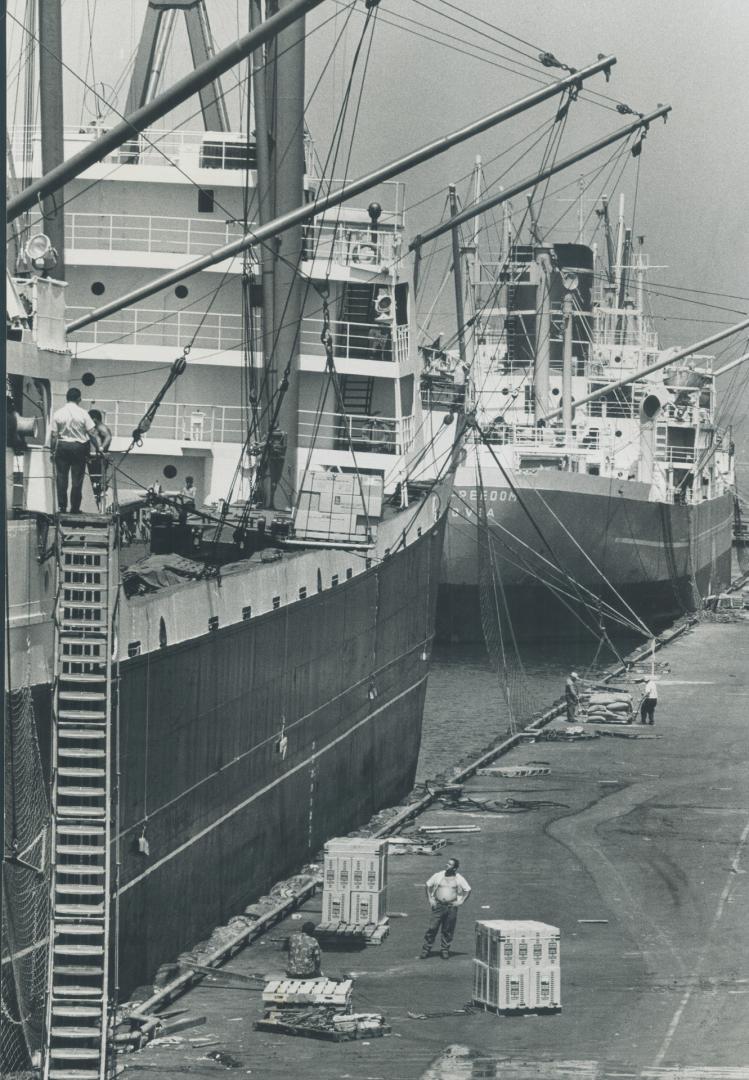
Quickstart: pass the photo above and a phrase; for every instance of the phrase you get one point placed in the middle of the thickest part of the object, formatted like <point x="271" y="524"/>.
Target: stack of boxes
<point x="517" y="966"/>
<point x="354" y="881"/>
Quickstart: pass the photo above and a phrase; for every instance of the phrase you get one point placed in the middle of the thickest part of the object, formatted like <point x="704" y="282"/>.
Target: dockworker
<point x="446" y="891"/>
<point x="305" y="957"/>
<point x="649" y="702"/>
<point x="571" y="696"/>
<point x="97" y="465"/>
<point x="189" y="493"/>
<point x="73" y="433"/>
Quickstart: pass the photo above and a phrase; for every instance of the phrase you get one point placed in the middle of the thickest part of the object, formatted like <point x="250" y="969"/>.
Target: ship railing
<point x="147" y="233"/>
<point x="389" y="196"/>
<point x="356" y="341"/>
<point x="677" y="455"/>
<point x="440" y="395"/>
<point x="156" y="327"/>
<point x="184" y="422"/>
<point x="348" y="244"/>
<point x="570" y="439"/>
<point x="340" y="242"/>
<point x="645" y="339"/>
<point x="362" y="433"/>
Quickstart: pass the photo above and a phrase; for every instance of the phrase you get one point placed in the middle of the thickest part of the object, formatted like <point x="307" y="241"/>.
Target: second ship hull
<point x="606" y="536"/>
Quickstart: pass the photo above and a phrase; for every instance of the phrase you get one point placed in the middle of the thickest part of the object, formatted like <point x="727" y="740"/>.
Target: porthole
<point x="555" y="391"/>
<point x="618" y="434"/>
<point x="181" y="292"/>
<point x="97" y="288"/>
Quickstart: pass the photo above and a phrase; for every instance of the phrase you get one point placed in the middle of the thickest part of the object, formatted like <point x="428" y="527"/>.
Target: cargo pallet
<point x="342" y="933"/>
<point x="522" y="1011"/>
<point x="327" y="1034"/>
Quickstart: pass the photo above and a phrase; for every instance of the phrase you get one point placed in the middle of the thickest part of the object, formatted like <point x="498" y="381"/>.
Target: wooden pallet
<point x="354" y="933"/>
<point x="296" y="992"/>
<point x="521" y="1011"/>
<point x="328" y="1034"/>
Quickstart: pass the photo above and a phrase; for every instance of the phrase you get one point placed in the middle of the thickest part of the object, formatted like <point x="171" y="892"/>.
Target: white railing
<point x="677" y="455"/>
<point x="356" y="341"/>
<point x="145" y="232"/>
<point x="154" y="326"/>
<point x="351" y="245"/>
<point x="572" y="439"/>
<point x="183" y="422"/>
<point x="363" y="434"/>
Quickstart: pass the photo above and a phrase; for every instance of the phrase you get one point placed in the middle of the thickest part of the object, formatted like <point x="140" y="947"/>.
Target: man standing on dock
<point x="571" y="696"/>
<point x="446" y="891"/>
<point x="649" y="702"/>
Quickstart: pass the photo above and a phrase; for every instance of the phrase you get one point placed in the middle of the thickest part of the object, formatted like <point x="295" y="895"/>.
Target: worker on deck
<point x="305" y="958"/>
<point x="73" y="433"/>
<point x="649" y="702"/>
<point x="97" y="465"/>
<point x="189" y="493"/>
<point x="571" y="696"/>
<point x="447" y="890"/>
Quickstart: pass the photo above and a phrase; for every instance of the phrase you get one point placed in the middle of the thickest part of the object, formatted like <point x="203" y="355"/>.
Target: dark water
<point x="462" y="713"/>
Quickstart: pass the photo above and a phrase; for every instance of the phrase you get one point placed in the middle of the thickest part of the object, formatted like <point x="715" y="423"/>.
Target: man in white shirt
<point x="446" y="892"/>
<point x="649" y="702"/>
<point x="73" y="432"/>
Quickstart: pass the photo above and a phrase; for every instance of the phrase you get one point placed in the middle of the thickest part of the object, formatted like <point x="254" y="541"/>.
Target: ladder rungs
<point x="80" y="911"/>
<point x="84" y="605"/>
<point x="77" y="930"/>
<point x="75" y="1032"/>
<point x="79" y="890"/>
<point x="81" y="695"/>
<point x="82" y="677"/>
<point x="86" y="971"/>
<point x="82" y="714"/>
<point x="73" y="770"/>
<point x="69" y="624"/>
<point x="70" y="637"/>
<point x="80" y="752"/>
<point x="80" y="1053"/>
<point x="73" y="1011"/>
<point x="81" y="811"/>
<point x="81" y="830"/>
<point x="74" y="1074"/>
<point x="80" y="869"/>
<point x="82" y="792"/>
<point x="78" y="733"/>
<point x="79" y="950"/>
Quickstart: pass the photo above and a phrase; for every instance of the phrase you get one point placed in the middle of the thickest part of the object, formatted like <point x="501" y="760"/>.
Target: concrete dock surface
<point x="638" y="853"/>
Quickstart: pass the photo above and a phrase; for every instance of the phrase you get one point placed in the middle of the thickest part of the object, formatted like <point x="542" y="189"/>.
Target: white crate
<point x="368" y="907"/>
<point x="517" y="965"/>
<point x="336" y="906"/>
<point x="356" y="864"/>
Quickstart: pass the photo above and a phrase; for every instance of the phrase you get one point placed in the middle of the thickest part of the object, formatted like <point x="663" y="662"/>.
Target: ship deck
<point x="641" y="860"/>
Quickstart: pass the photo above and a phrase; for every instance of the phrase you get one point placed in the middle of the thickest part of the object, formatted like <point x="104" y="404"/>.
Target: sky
<point x="692" y="204"/>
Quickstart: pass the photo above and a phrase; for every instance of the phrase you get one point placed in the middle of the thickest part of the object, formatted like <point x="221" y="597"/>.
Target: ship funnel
<point x="652" y="403"/>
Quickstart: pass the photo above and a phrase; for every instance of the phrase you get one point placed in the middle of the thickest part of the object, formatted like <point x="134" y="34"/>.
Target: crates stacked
<point x="517" y="966"/>
<point x="354" y="881"/>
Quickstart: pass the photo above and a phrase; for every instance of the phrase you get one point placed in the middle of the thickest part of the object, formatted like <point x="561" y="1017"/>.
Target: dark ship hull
<point x="605" y="535"/>
<point x="225" y="806"/>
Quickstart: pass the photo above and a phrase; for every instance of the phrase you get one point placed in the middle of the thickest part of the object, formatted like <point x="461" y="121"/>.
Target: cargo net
<point x="25" y="889"/>
<point x="517" y="702"/>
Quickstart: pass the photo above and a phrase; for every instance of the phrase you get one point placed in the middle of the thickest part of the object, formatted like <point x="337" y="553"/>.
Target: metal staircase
<point x="77" y="1014"/>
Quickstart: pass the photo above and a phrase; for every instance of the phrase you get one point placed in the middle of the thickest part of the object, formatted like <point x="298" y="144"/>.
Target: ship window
<point x="319" y="580"/>
<point x="133" y="648"/>
<point x="181" y="292"/>
<point x="276" y="602"/>
<point x="97" y="288"/>
<point x="205" y="201"/>
<point x="334" y="580"/>
<point x="302" y="592"/>
<point x="349" y="573"/>
<point x="418" y="531"/>
<point x="367" y="562"/>
<point x="213" y="622"/>
<point x="247" y="612"/>
<point x="162" y="633"/>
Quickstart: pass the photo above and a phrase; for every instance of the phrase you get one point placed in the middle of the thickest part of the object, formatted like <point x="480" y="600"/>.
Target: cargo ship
<point x="598" y="484"/>
<point x="257" y="681"/>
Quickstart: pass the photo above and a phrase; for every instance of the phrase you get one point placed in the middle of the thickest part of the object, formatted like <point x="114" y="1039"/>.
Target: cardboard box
<point x="368" y="907"/>
<point x="336" y="906"/>
<point x="517" y="965"/>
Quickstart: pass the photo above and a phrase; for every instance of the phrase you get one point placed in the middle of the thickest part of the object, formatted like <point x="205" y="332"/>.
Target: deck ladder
<point x="77" y="1021"/>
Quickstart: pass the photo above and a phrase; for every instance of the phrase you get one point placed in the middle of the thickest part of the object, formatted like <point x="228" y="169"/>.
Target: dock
<point x="637" y="848"/>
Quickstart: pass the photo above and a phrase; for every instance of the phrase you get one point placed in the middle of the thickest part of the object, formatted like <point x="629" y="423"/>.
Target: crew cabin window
<point x="205" y="201"/>
<point x="133" y="648"/>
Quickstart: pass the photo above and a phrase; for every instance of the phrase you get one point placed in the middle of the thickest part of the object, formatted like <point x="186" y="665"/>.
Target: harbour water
<point x="462" y="713"/>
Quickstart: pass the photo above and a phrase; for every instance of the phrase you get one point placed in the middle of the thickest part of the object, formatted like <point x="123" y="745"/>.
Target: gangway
<point x="77" y="1020"/>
